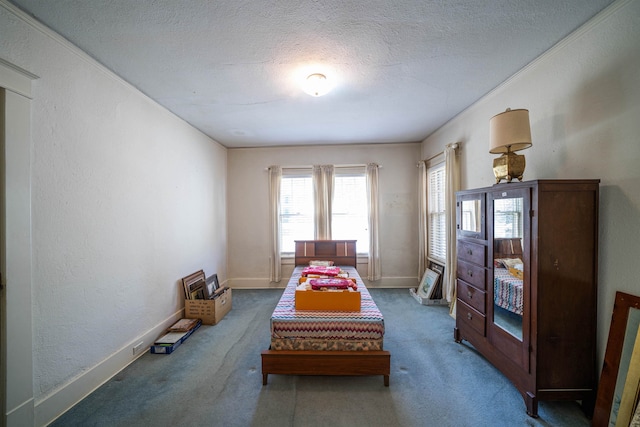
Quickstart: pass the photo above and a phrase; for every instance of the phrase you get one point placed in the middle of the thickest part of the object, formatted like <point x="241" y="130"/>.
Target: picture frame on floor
<point x="212" y="285"/>
<point x="428" y="283"/>
<point x="629" y="401"/>
<point x="438" y="268"/>
<point x="197" y="290"/>
<point x="190" y="280"/>
<point x="625" y="322"/>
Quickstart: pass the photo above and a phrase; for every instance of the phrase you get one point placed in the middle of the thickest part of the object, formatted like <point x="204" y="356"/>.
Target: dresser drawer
<point x="472" y="296"/>
<point x="471" y="273"/>
<point x="471" y="252"/>
<point x="471" y="317"/>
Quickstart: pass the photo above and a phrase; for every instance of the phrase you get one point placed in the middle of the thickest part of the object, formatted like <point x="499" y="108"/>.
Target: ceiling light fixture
<point x="317" y="84"/>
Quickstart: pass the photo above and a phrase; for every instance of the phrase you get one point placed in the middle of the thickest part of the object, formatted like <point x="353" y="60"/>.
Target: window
<point x="349" y="219"/>
<point x="349" y="216"/>
<point x="508" y="217"/>
<point x="296" y="209"/>
<point x="436" y="211"/>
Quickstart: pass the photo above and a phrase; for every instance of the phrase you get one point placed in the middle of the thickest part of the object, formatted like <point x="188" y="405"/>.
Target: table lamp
<point x="509" y="132"/>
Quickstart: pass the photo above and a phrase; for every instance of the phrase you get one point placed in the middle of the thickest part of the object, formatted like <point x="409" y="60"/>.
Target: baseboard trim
<point x="21" y="415"/>
<point x="54" y="405"/>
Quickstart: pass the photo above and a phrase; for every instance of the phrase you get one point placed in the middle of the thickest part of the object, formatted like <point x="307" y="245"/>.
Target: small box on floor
<point x="170" y="341"/>
<point x="211" y="311"/>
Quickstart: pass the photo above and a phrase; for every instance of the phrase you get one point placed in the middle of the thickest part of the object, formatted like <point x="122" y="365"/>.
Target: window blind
<point x="296" y="210"/>
<point x="437" y="213"/>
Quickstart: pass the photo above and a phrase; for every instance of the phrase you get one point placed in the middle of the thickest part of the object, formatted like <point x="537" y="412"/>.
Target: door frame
<point x="16" y="336"/>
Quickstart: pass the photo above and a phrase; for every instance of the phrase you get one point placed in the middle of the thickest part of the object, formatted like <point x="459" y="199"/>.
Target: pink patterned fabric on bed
<point x="321" y="270"/>
<point x="334" y="283"/>
<point x="507" y="290"/>
<point x="352" y="330"/>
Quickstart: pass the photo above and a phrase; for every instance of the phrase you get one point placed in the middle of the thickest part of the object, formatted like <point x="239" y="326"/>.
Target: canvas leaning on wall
<point x="429" y="291"/>
<point x="428" y="284"/>
<point x="617" y="397"/>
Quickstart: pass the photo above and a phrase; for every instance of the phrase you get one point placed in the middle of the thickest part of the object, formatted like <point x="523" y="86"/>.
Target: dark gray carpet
<point x="214" y="379"/>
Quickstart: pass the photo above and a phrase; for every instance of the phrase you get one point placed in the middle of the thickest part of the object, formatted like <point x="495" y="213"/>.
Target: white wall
<point x="125" y="199"/>
<point x="583" y="98"/>
<point x="249" y="208"/>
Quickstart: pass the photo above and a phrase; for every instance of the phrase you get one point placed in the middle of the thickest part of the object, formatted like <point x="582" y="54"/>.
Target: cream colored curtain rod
<point x="453" y="144"/>
<point x="430" y="158"/>
<point x="336" y="166"/>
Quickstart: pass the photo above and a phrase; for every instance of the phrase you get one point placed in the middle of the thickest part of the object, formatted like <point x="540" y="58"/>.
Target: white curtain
<point x="452" y="176"/>
<point x="275" y="177"/>
<point x="323" y="179"/>
<point x="373" y="271"/>
<point x="423" y="229"/>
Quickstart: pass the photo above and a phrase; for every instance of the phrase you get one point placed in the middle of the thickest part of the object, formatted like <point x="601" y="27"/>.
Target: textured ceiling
<point x="232" y="68"/>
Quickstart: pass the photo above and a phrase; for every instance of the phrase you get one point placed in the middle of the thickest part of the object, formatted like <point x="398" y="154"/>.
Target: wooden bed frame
<point x="286" y="362"/>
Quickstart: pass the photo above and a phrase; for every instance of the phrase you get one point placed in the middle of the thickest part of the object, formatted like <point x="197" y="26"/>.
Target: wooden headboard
<point x="507" y="248"/>
<point x="341" y="252"/>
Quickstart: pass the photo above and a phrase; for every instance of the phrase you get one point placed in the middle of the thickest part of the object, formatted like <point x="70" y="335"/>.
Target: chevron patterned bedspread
<point x="363" y="329"/>
<point x="507" y="290"/>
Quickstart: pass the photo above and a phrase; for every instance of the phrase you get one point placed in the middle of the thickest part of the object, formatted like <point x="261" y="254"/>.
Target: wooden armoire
<point x="527" y="269"/>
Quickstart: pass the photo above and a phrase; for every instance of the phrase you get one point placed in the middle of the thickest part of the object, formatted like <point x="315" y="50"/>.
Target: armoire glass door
<point x="510" y="230"/>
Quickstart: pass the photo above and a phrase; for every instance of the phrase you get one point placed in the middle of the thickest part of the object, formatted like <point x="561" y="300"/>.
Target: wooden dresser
<point x="527" y="284"/>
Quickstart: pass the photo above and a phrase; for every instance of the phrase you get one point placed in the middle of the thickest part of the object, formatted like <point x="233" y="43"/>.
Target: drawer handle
<point x="469" y="252"/>
<point x="470" y="273"/>
<point x="469" y="316"/>
<point x="469" y="295"/>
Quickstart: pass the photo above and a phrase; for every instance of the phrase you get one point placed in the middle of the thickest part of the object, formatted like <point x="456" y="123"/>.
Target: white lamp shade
<point x="509" y="131"/>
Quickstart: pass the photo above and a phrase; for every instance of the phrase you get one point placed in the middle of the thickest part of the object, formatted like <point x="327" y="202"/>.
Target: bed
<point x="507" y="274"/>
<point x="507" y="290"/>
<point x="326" y="342"/>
